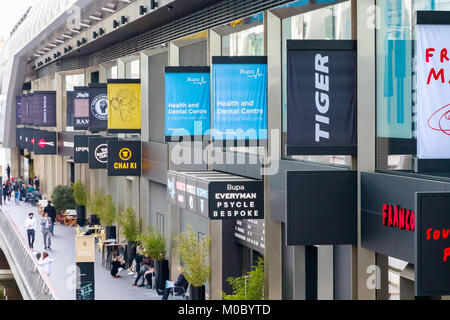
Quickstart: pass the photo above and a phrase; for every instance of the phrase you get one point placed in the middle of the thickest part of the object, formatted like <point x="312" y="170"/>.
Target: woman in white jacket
<point x="45" y="262"/>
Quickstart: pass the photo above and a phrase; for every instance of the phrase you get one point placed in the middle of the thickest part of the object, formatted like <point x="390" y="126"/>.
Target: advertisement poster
<point x="98" y="102"/>
<point x="45" y="142"/>
<point x="321" y="97"/>
<point x="124" y="102"/>
<point x="24" y="107"/>
<point x="433" y="100"/>
<point x="124" y="158"/>
<point x="43" y="110"/>
<point x="98" y="152"/>
<point x="188" y="100"/>
<point x="239" y="98"/>
<point x="81" y="108"/>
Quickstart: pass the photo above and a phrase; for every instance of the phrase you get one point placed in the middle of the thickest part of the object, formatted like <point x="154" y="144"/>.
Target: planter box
<point x="162" y="275"/>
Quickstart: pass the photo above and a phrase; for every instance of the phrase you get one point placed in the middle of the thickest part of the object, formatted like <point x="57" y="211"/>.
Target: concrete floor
<point x="62" y="272"/>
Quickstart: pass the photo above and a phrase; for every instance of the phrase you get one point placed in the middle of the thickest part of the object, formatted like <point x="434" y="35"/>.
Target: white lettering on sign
<point x="322" y="97"/>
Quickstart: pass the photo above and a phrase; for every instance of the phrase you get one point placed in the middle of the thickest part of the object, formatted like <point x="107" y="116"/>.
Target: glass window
<point x="112" y="72"/>
<point x="134" y="69"/>
<point x="330" y="22"/>
<point x="75" y="80"/>
<point x="395" y="96"/>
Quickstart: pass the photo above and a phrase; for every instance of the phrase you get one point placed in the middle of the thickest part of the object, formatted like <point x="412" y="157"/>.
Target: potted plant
<point x="194" y="253"/>
<point x="80" y="195"/>
<point x="249" y="286"/>
<point x="106" y="210"/>
<point x="62" y="199"/>
<point x="95" y="202"/>
<point x="130" y="227"/>
<point x="154" y="246"/>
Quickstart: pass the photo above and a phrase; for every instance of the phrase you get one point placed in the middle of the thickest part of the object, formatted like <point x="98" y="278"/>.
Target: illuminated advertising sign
<point x="187" y="102"/>
<point x="239" y="98"/>
<point x="124" y="158"/>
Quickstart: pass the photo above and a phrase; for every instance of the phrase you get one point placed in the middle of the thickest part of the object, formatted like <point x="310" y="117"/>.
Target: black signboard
<point x="45" y="142"/>
<point x="21" y="138"/>
<point x="81" y="151"/>
<point x="321" y="207"/>
<point x="432" y="268"/>
<point x="81" y="108"/>
<point x="321" y="97"/>
<point x="98" y="107"/>
<point x="250" y="233"/>
<point x="188" y="193"/>
<point x="70" y="120"/>
<point x="236" y="200"/>
<point x="42" y="111"/>
<point x="18" y="110"/>
<point x="85" y="281"/>
<point x="98" y="152"/>
<point x="124" y="158"/>
<point x="29" y="139"/>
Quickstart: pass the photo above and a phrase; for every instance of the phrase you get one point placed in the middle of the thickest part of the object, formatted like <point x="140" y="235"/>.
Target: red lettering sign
<point x="395" y="216"/>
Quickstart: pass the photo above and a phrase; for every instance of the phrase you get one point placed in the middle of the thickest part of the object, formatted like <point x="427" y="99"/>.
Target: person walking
<point x="23" y="193"/>
<point x="46" y="224"/>
<point x="45" y="262"/>
<point x="5" y="190"/>
<point x="30" y="225"/>
<point x="52" y="214"/>
<point x="16" y="193"/>
<point x="37" y="183"/>
<point x="8" y="171"/>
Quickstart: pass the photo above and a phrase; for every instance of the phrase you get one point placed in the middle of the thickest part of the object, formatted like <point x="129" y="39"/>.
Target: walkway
<point x="63" y="268"/>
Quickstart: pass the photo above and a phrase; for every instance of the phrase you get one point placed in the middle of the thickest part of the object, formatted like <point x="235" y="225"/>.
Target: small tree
<point x="194" y="254"/>
<point x="107" y="212"/>
<point x="2" y="293"/>
<point x="249" y="286"/>
<point x="62" y="198"/>
<point x="79" y="193"/>
<point x="95" y="202"/>
<point x="153" y="244"/>
<point x="130" y="225"/>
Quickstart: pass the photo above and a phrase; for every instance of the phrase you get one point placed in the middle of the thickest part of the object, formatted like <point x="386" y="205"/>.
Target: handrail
<point x="36" y="281"/>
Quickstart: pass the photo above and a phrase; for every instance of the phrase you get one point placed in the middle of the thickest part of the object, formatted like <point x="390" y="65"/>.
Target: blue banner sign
<point x="239" y="98"/>
<point x="188" y="100"/>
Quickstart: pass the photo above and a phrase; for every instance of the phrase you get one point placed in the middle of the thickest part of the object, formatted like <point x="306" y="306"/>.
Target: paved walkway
<point x="63" y="269"/>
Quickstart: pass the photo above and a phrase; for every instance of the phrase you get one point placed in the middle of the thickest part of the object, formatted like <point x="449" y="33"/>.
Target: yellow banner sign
<point x="124" y="114"/>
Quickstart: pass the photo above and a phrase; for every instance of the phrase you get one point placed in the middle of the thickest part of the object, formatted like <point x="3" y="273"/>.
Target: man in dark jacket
<point x="179" y="287"/>
<point x="52" y="214"/>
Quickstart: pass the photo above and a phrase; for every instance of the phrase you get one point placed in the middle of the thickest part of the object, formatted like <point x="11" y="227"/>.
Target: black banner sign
<point x="321" y="207"/>
<point x="70" y="119"/>
<point x="250" y="233"/>
<point x="432" y="271"/>
<point x="98" y="152"/>
<point x="45" y="142"/>
<point x="24" y="107"/>
<point x="42" y="110"/>
<point x="66" y="144"/>
<point x="124" y="158"/>
<point x="236" y="200"/>
<point x="20" y="138"/>
<point x="29" y="139"/>
<point x="81" y="108"/>
<point x="81" y="151"/>
<point x="321" y="97"/>
<point x="98" y="107"/>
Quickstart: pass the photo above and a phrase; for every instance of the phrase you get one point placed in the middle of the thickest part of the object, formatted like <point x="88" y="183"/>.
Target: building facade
<point x="351" y="256"/>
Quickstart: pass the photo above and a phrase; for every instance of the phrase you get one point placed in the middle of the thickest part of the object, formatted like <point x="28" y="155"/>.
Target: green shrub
<point x="249" y="286"/>
<point x="108" y="212"/>
<point x="79" y="193"/>
<point x="95" y="202"/>
<point x="63" y="199"/>
<point x="153" y="244"/>
<point x="130" y="225"/>
<point x="194" y="254"/>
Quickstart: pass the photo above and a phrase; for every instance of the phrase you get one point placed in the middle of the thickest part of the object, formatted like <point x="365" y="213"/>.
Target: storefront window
<point x="396" y="96"/>
<point x="327" y="23"/>
<point x="75" y="80"/>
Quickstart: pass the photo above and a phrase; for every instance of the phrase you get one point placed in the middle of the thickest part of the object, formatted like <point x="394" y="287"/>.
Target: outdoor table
<point x="111" y="248"/>
<point x="70" y="220"/>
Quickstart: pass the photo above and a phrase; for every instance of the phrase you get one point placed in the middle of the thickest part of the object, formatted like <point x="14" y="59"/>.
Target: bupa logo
<point x="197" y="81"/>
<point x="252" y="73"/>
